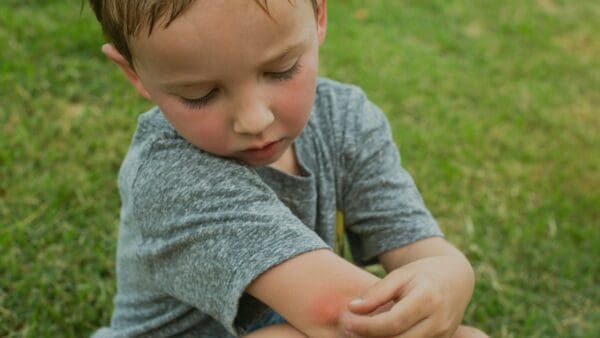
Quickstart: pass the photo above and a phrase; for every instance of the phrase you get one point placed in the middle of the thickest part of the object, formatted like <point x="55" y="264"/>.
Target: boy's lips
<point x="261" y="147"/>
<point x="263" y="151"/>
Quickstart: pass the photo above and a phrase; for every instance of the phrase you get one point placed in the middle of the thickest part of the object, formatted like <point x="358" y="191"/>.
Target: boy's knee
<point x="469" y="332"/>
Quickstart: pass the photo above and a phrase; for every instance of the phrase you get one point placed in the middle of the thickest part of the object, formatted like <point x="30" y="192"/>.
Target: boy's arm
<point x="312" y="291"/>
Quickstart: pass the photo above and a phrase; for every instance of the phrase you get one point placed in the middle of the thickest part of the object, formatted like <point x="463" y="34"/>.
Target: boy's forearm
<point x="429" y="247"/>
<point x="277" y="331"/>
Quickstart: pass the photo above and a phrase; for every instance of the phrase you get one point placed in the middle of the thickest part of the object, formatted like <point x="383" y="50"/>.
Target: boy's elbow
<point x="325" y="316"/>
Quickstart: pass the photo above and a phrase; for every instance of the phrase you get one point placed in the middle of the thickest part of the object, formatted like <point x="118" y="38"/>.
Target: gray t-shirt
<point x="196" y="229"/>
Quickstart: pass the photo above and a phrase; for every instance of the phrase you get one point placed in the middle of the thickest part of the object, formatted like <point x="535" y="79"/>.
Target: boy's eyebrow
<point x="285" y="52"/>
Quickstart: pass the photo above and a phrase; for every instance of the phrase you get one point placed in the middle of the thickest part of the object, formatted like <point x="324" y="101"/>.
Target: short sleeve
<point x="382" y="207"/>
<point x="208" y="226"/>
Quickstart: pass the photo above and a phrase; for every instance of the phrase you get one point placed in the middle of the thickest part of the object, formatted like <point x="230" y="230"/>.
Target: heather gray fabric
<point x="197" y="229"/>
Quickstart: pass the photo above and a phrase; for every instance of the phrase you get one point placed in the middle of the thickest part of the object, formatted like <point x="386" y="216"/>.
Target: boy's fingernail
<point x="357" y="301"/>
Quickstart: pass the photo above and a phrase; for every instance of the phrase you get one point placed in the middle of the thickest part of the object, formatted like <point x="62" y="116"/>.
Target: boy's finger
<point x="398" y="320"/>
<point x="384" y="291"/>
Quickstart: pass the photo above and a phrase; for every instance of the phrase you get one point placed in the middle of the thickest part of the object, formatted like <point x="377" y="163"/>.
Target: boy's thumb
<point x="378" y="295"/>
<point x="362" y="305"/>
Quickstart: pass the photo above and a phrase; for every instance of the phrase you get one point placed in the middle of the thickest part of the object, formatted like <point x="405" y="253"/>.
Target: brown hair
<point x="122" y="19"/>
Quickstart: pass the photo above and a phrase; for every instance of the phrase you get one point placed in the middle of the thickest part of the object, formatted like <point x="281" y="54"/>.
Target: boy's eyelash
<point x="199" y="102"/>
<point x="287" y="74"/>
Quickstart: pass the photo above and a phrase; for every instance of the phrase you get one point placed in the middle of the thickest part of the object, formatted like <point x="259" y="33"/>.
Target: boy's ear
<point x="113" y="54"/>
<point x="321" y="20"/>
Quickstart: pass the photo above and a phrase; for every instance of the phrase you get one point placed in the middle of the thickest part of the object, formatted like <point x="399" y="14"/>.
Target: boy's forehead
<point x="213" y="17"/>
<point x="218" y="32"/>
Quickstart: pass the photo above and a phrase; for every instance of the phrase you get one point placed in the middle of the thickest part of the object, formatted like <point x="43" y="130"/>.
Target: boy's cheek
<point x="298" y="99"/>
<point x="299" y="95"/>
<point x="210" y="137"/>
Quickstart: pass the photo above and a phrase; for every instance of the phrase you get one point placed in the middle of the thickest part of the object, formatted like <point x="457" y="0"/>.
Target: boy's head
<point x="235" y="78"/>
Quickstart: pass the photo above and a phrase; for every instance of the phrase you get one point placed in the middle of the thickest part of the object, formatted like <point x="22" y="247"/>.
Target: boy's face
<point x="232" y="80"/>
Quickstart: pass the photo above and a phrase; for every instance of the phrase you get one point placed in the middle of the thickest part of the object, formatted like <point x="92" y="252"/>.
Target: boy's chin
<point x="259" y="163"/>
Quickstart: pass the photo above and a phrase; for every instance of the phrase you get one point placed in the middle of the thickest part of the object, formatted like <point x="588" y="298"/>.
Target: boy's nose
<point x="253" y="119"/>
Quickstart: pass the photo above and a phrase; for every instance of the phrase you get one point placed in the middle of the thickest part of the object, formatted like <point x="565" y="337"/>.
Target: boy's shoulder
<point x="329" y="88"/>
<point x="152" y="125"/>
<point x="345" y="111"/>
<point x="337" y="104"/>
<point x="152" y="135"/>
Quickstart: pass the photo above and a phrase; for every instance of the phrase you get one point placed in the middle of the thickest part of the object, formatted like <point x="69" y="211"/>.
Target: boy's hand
<point x="425" y="298"/>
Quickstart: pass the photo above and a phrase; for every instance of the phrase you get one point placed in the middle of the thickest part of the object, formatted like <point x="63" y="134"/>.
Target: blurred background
<point x="494" y="105"/>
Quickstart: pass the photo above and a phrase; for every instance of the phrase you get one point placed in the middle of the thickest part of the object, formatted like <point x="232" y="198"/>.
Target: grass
<point x="493" y="104"/>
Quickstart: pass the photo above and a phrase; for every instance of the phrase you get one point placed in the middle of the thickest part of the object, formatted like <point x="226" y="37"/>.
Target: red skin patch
<point x="327" y="308"/>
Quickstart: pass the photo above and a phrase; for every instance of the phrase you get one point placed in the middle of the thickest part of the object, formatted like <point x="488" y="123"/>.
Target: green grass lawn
<point x="494" y="105"/>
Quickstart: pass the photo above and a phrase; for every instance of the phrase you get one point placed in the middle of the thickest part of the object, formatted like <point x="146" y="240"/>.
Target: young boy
<point x="231" y="185"/>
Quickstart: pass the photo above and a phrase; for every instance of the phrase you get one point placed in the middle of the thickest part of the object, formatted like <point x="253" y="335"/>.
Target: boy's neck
<point x="288" y="163"/>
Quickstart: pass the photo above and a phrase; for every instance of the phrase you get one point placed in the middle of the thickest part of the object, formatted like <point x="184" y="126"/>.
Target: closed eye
<point x="201" y="101"/>
<point x="287" y="74"/>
